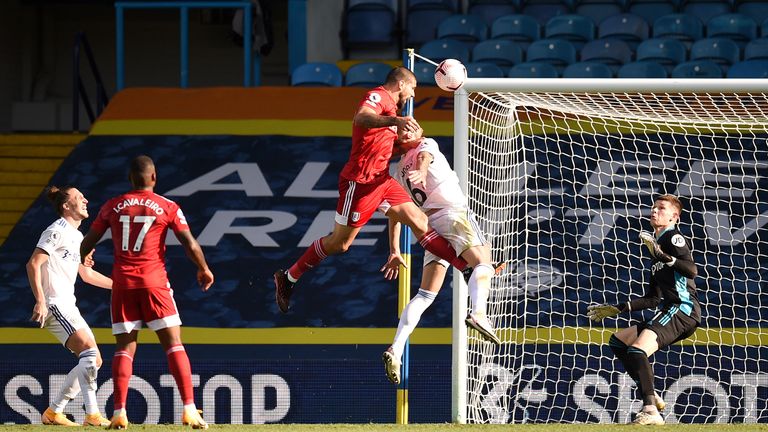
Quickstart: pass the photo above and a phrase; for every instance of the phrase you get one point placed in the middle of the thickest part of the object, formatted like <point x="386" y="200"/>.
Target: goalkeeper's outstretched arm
<point x="651" y="299"/>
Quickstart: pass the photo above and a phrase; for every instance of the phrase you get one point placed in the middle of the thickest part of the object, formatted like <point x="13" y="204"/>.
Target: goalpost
<point x="562" y="174"/>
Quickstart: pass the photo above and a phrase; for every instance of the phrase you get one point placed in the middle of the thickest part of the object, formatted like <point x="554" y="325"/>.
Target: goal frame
<point x="546" y="85"/>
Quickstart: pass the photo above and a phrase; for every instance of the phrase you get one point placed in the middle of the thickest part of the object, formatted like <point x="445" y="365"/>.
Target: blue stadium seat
<point x="612" y="52"/>
<point x="764" y="28"/>
<point x="425" y="74"/>
<point x="519" y="28"/>
<point x="557" y="52"/>
<point x="316" y="74"/>
<point x="697" y="69"/>
<point x="440" y="49"/>
<point x="575" y="28"/>
<point x="533" y="70"/>
<point x="484" y="70"/>
<point x="705" y="10"/>
<point x="504" y="53"/>
<point x="369" y="24"/>
<point x="722" y="51"/>
<point x="630" y="28"/>
<point x="736" y="27"/>
<point x="466" y="28"/>
<point x="423" y="17"/>
<point x="587" y="70"/>
<point x="666" y="52"/>
<point x="756" y="50"/>
<point x="649" y="10"/>
<point x="683" y="27"/>
<point x="642" y="69"/>
<point x="749" y="69"/>
<point x="489" y="10"/>
<point x="366" y="74"/>
<point x="757" y="10"/>
<point x="598" y="10"/>
<point x="544" y="10"/>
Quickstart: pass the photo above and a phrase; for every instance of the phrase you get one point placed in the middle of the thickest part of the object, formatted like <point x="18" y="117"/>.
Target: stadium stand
<point x="466" y="28"/>
<point x="736" y="27"/>
<point x="642" y="69"/>
<point x="756" y="9"/>
<point x="749" y="69"/>
<point x="577" y="29"/>
<point x="697" y="69"/>
<point x="630" y="28"/>
<point x="440" y="49"/>
<point x="685" y="28"/>
<point x="705" y="10"/>
<point x="423" y="17"/>
<point x="489" y="10"/>
<point x="368" y="24"/>
<point x="611" y="52"/>
<point x="557" y="52"/>
<point x="366" y="74"/>
<point x="425" y="74"/>
<point x="666" y="52"/>
<point x="317" y="74"/>
<point x="544" y="10"/>
<point x="519" y="28"/>
<point x="484" y="70"/>
<point x="503" y="53"/>
<point x="756" y="50"/>
<point x="598" y="10"/>
<point x="587" y="70"/>
<point x="650" y="10"/>
<point x="722" y="51"/>
<point x="533" y="70"/>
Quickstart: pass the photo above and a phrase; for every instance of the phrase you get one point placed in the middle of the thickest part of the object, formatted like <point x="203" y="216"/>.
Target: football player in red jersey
<point x="365" y="183"/>
<point x="141" y="293"/>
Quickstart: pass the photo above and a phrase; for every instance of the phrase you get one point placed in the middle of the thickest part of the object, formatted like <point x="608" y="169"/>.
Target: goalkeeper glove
<point x="650" y="242"/>
<point x="598" y="312"/>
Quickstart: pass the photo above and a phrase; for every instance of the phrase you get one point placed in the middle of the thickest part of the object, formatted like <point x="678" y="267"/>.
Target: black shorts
<point x="670" y="325"/>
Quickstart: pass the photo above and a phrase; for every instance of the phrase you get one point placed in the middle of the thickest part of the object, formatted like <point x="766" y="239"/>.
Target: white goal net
<point x="562" y="175"/>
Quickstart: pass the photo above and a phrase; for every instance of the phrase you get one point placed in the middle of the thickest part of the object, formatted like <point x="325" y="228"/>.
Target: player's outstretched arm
<point x="683" y="264"/>
<point x="195" y="254"/>
<point x="391" y="268"/>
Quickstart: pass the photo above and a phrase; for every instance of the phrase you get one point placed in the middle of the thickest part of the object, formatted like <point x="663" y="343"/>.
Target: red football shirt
<point x="372" y="148"/>
<point x="139" y="221"/>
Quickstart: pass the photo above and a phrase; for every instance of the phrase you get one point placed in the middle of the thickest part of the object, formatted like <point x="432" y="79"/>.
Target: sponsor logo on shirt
<point x="678" y="240"/>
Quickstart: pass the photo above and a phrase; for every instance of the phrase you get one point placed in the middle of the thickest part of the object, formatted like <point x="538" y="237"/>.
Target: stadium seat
<point x="598" y="10"/>
<point x="489" y="10"/>
<point x="756" y="50"/>
<point x="533" y="70"/>
<point x="504" y="53"/>
<point x="630" y="28"/>
<point x="574" y="28"/>
<point x="697" y="69"/>
<point x="650" y="10"/>
<point x="587" y="70"/>
<point x="736" y="27"/>
<point x="757" y="10"/>
<point x="484" y="70"/>
<point x="423" y="17"/>
<point x="440" y="49"/>
<point x="519" y="28"/>
<point x="316" y="74"/>
<point x="369" y="24"/>
<point x="612" y="52"/>
<point x="466" y="28"/>
<point x="705" y="10"/>
<point x="544" y="10"/>
<point x="683" y="27"/>
<point x="749" y="69"/>
<point x="642" y="69"/>
<point x="557" y="52"/>
<point x="666" y="52"/>
<point x="366" y="74"/>
<point x="425" y="74"/>
<point x="722" y="51"/>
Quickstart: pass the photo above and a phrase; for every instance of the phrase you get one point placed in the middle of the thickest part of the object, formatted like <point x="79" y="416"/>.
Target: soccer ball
<point x="450" y="75"/>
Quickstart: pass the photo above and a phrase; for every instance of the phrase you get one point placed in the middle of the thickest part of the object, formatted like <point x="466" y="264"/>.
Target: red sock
<point x="439" y="246"/>
<point x="312" y="257"/>
<point x="122" y="369"/>
<point x="178" y="363"/>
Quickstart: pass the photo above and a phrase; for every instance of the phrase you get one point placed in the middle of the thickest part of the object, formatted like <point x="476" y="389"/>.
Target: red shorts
<point x="153" y="307"/>
<point x="358" y="201"/>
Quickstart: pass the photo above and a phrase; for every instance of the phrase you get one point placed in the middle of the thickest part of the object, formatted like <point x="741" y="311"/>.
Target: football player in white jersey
<point x="424" y="172"/>
<point x="52" y="270"/>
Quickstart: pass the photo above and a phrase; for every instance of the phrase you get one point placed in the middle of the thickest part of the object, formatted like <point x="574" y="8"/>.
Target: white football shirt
<point x="61" y="241"/>
<point x="442" y="189"/>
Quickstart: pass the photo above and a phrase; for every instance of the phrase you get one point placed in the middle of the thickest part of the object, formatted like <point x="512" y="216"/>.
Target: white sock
<point x="87" y="372"/>
<point x="69" y="390"/>
<point x="480" y="287"/>
<point x="190" y="407"/>
<point x="410" y="318"/>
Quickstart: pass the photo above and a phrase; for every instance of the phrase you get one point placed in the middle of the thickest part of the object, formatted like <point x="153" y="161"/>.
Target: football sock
<point x="178" y="363"/>
<point x="311" y="257"/>
<point x="433" y="242"/>
<point x="480" y="286"/>
<point x="619" y="349"/>
<point x="410" y="318"/>
<point x="87" y="377"/>
<point x="122" y="369"/>
<point x="69" y="391"/>
<point x="637" y="360"/>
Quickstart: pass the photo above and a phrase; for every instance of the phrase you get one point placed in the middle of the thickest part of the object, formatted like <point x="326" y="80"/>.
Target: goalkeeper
<point x="672" y="290"/>
<point x="425" y="173"/>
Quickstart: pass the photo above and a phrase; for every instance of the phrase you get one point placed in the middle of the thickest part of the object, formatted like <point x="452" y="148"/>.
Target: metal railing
<point x="184" y="6"/>
<point x="78" y="89"/>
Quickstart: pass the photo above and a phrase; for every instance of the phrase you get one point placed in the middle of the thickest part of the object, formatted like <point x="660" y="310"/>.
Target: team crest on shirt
<point x="53" y="238"/>
<point x="678" y="240"/>
<point x="355" y="216"/>
<point x="373" y="99"/>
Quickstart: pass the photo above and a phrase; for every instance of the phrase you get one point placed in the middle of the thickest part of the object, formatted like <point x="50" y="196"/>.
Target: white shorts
<point x="63" y="321"/>
<point x="457" y="225"/>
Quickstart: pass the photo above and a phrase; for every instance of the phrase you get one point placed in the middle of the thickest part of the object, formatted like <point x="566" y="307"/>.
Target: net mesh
<point x="563" y="184"/>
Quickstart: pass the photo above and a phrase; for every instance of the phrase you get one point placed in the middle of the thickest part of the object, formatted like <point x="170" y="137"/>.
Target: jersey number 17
<point x="145" y="221"/>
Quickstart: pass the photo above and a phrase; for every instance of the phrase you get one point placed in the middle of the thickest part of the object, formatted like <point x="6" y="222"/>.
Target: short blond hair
<point x="675" y="201"/>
